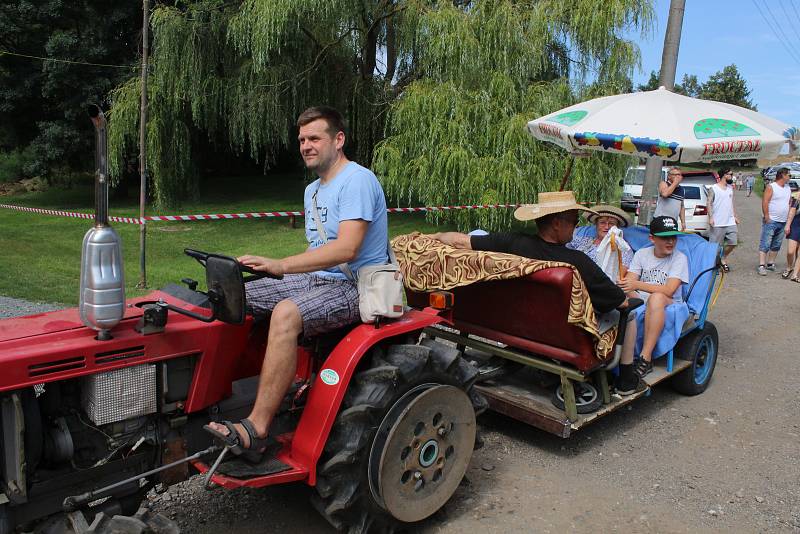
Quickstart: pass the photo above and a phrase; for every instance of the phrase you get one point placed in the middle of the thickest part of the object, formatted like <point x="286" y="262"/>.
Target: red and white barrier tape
<point x="251" y="215"/>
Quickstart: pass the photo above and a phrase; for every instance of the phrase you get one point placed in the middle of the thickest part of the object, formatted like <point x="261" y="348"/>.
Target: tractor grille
<point x="56" y="366"/>
<point x="117" y="355"/>
<point x="120" y="394"/>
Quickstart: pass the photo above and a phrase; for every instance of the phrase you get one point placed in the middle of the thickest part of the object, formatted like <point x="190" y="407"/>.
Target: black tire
<point x="701" y="348"/>
<point x="587" y="397"/>
<point x="344" y="496"/>
<point x="6" y="526"/>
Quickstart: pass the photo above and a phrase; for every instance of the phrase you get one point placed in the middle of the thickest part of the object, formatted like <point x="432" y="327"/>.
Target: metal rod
<point x="143" y="146"/>
<point x="74" y="502"/>
<point x="507" y="353"/>
<point x="567" y="173"/>
<point x="214" y="466"/>
<point x="669" y="65"/>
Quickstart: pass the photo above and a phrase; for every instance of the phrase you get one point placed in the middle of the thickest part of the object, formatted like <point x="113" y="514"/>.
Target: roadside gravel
<point x="15" y="307"/>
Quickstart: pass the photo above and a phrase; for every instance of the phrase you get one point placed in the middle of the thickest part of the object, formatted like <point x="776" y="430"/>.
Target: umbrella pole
<point x="567" y="173"/>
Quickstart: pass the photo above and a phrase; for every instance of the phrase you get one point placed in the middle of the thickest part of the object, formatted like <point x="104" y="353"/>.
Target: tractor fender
<point x="331" y="383"/>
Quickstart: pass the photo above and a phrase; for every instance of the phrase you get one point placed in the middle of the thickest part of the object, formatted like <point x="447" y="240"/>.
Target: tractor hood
<point x="47" y="323"/>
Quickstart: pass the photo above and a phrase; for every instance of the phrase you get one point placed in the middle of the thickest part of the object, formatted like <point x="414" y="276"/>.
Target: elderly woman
<point x="603" y="220"/>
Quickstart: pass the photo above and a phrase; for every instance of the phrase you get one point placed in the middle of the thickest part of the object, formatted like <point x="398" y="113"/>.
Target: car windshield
<point x="634" y="177"/>
<point x="691" y="192"/>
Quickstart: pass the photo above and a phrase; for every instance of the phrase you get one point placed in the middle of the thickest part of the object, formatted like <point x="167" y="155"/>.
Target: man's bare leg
<point x="727" y="251"/>
<point x="277" y="371"/>
<point x="653" y="323"/>
<point x="771" y="256"/>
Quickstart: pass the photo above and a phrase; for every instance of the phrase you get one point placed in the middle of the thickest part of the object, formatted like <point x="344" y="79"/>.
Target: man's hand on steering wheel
<point x="259" y="263"/>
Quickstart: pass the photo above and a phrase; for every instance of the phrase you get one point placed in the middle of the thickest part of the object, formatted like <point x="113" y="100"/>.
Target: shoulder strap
<point x="344" y="267"/>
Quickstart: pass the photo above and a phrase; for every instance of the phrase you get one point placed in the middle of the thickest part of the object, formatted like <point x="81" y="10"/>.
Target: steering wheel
<point x="202" y="257"/>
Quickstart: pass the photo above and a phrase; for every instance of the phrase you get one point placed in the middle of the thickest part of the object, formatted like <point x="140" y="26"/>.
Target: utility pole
<point x="669" y="64"/>
<point x="143" y="146"/>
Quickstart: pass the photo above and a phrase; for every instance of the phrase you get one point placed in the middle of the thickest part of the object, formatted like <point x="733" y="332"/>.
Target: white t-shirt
<point x="654" y="270"/>
<point x="779" y="203"/>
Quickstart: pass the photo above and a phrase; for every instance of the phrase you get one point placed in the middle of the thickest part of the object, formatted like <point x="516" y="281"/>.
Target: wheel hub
<point x="422" y="451"/>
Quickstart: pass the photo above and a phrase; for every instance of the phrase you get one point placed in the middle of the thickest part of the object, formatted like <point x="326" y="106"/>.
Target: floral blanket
<point x="429" y="265"/>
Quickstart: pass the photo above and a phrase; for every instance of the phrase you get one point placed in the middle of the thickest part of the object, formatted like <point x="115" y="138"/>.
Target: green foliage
<point x="15" y="165"/>
<point x="43" y="103"/>
<point x="458" y="135"/>
<point x="726" y="85"/>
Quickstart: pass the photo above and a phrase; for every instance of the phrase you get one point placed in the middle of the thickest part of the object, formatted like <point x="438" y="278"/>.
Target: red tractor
<point x="101" y="403"/>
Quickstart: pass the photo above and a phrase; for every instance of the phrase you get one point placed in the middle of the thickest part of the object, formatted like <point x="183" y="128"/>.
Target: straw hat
<point x="604" y="210"/>
<point x="549" y="203"/>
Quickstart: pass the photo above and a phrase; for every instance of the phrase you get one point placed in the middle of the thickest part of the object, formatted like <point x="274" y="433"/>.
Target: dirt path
<point x="724" y="461"/>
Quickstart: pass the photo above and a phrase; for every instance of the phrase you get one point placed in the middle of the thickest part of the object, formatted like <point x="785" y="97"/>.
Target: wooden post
<point x="143" y="146"/>
<point x="567" y="173"/>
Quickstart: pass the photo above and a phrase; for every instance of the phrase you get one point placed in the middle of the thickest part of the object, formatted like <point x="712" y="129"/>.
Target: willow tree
<point x="449" y="83"/>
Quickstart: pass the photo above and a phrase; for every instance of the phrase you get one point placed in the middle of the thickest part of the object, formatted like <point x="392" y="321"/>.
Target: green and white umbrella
<point x="668" y="125"/>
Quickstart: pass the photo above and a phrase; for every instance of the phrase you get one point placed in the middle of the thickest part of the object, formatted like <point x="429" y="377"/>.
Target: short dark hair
<point x="723" y="171"/>
<point x="781" y="172"/>
<point x="330" y="115"/>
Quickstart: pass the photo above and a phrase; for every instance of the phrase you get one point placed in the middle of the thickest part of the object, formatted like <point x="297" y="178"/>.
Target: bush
<point x="15" y="165"/>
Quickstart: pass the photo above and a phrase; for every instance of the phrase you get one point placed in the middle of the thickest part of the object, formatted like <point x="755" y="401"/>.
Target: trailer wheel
<point x="587" y="398"/>
<point x="700" y="347"/>
<point x="402" y="440"/>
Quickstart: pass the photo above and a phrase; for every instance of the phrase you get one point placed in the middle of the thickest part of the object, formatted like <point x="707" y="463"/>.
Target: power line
<point x="788" y="18"/>
<point x="785" y="40"/>
<point x="796" y="13"/>
<point x="67" y="61"/>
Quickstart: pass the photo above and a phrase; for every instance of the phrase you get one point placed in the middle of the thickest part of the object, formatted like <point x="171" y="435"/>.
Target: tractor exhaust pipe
<point x="102" y="298"/>
<point x="98" y="119"/>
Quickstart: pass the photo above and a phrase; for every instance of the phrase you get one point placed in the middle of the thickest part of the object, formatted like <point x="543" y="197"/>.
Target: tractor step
<point x="239" y="468"/>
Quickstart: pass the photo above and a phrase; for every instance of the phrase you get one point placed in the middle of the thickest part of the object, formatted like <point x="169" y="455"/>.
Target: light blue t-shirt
<point x="354" y="193"/>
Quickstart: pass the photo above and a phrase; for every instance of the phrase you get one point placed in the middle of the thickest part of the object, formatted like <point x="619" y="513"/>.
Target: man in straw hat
<point x="556" y="215"/>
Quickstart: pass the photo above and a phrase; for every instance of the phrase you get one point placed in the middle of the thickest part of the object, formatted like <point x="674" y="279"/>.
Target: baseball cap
<point x="664" y="226"/>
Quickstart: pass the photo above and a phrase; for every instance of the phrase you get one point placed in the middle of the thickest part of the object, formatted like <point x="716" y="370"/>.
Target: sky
<point x="717" y="33"/>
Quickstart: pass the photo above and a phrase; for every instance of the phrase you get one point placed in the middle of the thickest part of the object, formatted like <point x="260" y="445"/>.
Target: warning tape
<point x="250" y="215"/>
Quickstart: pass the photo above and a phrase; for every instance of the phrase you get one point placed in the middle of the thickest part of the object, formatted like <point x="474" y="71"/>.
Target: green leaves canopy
<point x="437" y="93"/>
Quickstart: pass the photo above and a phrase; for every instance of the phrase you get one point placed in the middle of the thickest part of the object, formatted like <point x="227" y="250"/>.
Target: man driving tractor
<point x="317" y="293"/>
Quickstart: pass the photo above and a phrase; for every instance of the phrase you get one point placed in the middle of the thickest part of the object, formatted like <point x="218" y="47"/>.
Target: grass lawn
<point x="41" y="253"/>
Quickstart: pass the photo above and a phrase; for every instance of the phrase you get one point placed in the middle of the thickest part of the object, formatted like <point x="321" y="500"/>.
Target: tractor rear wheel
<point x="402" y="440"/>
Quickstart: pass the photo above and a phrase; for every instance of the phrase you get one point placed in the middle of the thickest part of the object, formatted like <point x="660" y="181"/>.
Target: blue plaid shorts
<point x="325" y="303"/>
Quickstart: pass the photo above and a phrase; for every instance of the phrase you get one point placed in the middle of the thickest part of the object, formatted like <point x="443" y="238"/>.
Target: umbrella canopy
<point x="668" y="125"/>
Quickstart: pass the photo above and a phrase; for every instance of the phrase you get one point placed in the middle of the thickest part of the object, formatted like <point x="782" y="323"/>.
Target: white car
<point x="695" y="207"/>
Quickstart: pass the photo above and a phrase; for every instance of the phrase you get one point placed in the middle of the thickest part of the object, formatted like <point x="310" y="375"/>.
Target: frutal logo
<point x="329" y="376"/>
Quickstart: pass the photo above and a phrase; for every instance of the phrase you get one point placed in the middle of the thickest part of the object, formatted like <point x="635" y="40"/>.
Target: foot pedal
<point x="239" y="468"/>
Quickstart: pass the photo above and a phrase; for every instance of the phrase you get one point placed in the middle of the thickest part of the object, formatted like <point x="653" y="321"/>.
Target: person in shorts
<point x="775" y="207"/>
<point x="670" y="197"/>
<point x="722" y="216"/>
<point x="792" y="231"/>
<point x="316" y="294"/>
<point x="656" y="274"/>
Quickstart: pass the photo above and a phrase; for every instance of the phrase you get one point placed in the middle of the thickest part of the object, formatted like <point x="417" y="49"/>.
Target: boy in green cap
<point x="656" y="274"/>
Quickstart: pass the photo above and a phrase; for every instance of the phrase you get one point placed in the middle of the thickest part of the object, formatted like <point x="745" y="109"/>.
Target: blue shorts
<point x="771" y="236"/>
<point x="325" y="303"/>
<point x="794" y="230"/>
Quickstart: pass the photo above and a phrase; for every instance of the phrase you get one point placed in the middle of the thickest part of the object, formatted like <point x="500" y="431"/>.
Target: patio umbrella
<point x="668" y="125"/>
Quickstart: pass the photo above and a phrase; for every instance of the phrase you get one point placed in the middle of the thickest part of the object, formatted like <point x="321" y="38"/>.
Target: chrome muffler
<point x="102" y="298"/>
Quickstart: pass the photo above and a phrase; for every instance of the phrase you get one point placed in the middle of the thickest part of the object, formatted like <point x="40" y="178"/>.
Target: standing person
<point x="749" y="181"/>
<point x="775" y="207"/>
<point x="722" y="216"/>
<point x="315" y="295"/>
<point x="792" y="232"/>
<point x="670" y="197"/>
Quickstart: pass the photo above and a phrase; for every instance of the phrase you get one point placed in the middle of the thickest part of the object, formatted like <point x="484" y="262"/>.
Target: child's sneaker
<point x="642" y="367"/>
<point x="762" y="270"/>
<point x="771" y="267"/>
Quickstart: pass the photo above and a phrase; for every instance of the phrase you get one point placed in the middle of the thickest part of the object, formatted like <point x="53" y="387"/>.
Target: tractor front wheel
<point x="402" y="441"/>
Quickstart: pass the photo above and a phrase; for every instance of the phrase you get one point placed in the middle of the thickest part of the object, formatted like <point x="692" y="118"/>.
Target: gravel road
<point x="723" y="461"/>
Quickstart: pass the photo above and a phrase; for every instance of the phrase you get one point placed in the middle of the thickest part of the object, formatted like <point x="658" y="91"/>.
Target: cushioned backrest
<point x="702" y="255"/>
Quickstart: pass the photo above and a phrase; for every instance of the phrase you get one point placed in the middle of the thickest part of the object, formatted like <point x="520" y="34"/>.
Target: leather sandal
<point x="234" y="442"/>
<point x="785" y="274"/>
